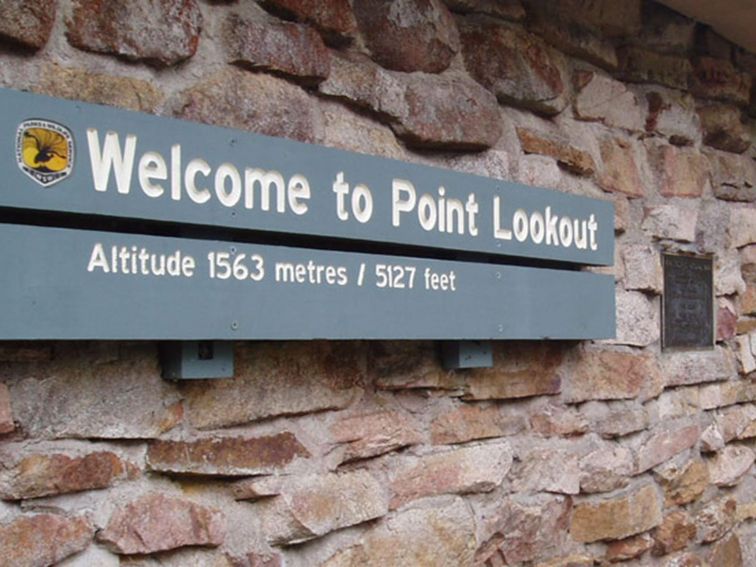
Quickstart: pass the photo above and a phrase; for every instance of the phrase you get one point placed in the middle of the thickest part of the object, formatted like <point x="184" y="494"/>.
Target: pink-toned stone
<point x="683" y="483"/>
<point x="617" y="517"/>
<point x="606" y="100"/>
<point x="615" y="419"/>
<point x="727" y="323"/>
<point x="310" y="506"/>
<point x="748" y="301"/>
<point x="665" y="30"/>
<point x="664" y="443"/>
<point x="723" y="128"/>
<point x="404" y="365"/>
<point x="460" y="471"/>
<point x="44" y="475"/>
<point x="674" y="533"/>
<point x="574" y="560"/>
<point x="716" y="519"/>
<point x="742" y="227"/>
<point x="619" y="173"/>
<point x="727" y="393"/>
<point x="611" y="374"/>
<point x="27" y="23"/>
<point x="685" y="368"/>
<point x="408" y="35"/>
<point x="637" y="323"/>
<point x="606" y="469"/>
<point x="225" y="456"/>
<point x="130" y="29"/>
<point x="682" y="172"/>
<point x="685" y="559"/>
<point x="733" y="178"/>
<point x="520" y="370"/>
<point x="711" y="439"/>
<point x="156" y="522"/>
<point x="746" y="359"/>
<point x="505" y="9"/>
<point x="22" y="351"/>
<point x="639" y="65"/>
<point x="673" y="115"/>
<point x="547" y="470"/>
<point x="255" y="488"/>
<point x="727" y="553"/>
<point x="332" y="17"/>
<point x="569" y="157"/>
<point x="718" y="79"/>
<point x="6" y="413"/>
<point x="368" y="435"/>
<point x="672" y="221"/>
<point x="257" y="102"/>
<point x="518" y="67"/>
<point x="642" y="268"/>
<point x="629" y="548"/>
<point x="552" y="420"/>
<point x="470" y="422"/>
<point x="441" y="534"/>
<point x="43" y="539"/>
<point x="525" y="529"/>
<point x="291" y="49"/>
<point x="730" y="464"/>
<point x="267" y="384"/>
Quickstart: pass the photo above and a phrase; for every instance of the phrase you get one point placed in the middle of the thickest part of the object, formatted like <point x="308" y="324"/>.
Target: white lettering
<point x="499" y="233"/>
<point x="197" y="165"/>
<point x="152" y="166"/>
<point x="228" y="171"/>
<point x="98" y="259"/>
<point x="111" y="157"/>
<point x="398" y="205"/>
<point x="299" y="189"/>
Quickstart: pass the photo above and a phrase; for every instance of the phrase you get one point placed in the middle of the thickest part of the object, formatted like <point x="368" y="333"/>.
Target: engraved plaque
<point x="688" y="302"/>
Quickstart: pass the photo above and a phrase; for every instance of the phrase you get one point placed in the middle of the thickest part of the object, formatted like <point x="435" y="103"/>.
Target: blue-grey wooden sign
<point x="73" y="284"/>
<point x="59" y="155"/>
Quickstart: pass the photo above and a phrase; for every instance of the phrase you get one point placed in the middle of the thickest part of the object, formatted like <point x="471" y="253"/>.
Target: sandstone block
<point x="643" y="270"/>
<point x="727" y="553"/>
<point x="518" y="67"/>
<point x="267" y="384"/>
<point x="730" y="464"/>
<point x="470" y="422"/>
<point x="728" y="278"/>
<point x="611" y="374"/>
<point x="682" y="172"/>
<point x="291" y="49"/>
<point x="711" y="439"/>
<point x="44" y="475"/>
<point x="460" y="471"/>
<point x="225" y="456"/>
<point x="27" y="23"/>
<point x="368" y="435"/>
<point x="665" y="30"/>
<point x="408" y="365"/>
<point x="43" y="539"/>
<point x="129" y="29"/>
<point x="618" y="517"/>
<point x="733" y="178"/>
<point x="727" y="323"/>
<point x="568" y="156"/>
<point x="525" y="529"/>
<point x="606" y="100"/>
<point x="640" y="65"/>
<point x="716" y="519"/>
<point x="564" y="28"/>
<point x="748" y="301"/>
<point x="674" y="533"/>
<point x="99" y="88"/>
<point x="685" y="368"/>
<point x="637" y="319"/>
<point x="24" y="351"/>
<point x="619" y="172"/>
<point x="673" y="115"/>
<point x="505" y="9"/>
<point x="255" y="488"/>
<point x="84" y="396"/>
<point x="157" y="522"/>
<point x="746" y="360"/>
<point x="547" y="470"/>
<point x="629" y="548"/>
<point x="616" y="419"/>
<point x="520" y="370"/>
<point x="727" y="393"/>
<point x="311" y="506"/>
<point x="441" y="534"/>
<point x="683" y="483"/>
<point x="332" y="17"/>
<point x="742" y="226"/>
<point x="6" y="413"/>
<point x="718" y="79"/>
<point x="664" y="443"/>
<point x="448" y="111"/>
<point x="673" y="221"/>
<point x="267" y="105"/>
<point x="552" y="420"/>
<point x="723" y="128"/>
<point x="606" y="469"/>
<point x="408" y="35"/>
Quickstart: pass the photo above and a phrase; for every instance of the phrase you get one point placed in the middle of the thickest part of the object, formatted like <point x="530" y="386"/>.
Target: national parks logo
<point x="44" y="151"/>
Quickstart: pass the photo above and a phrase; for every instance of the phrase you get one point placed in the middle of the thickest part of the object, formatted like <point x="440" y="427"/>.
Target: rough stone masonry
<point x="353" y="454"/>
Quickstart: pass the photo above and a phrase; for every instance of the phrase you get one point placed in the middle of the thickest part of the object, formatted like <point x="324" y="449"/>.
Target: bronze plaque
<point x="688" y="302"/>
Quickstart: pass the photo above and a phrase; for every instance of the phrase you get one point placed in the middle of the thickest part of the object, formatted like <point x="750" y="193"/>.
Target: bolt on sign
<point x="118" y="224"/>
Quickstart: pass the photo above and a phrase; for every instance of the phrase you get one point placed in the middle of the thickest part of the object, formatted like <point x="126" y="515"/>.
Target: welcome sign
<point x="66" y="157"/>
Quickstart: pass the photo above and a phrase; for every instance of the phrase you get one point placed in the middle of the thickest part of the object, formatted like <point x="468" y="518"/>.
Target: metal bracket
<point x="466" y="354"/>
<point x="196" y="360"/>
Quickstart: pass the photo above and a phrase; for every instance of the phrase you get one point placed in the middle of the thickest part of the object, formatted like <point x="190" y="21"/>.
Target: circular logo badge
<point x="44" y="151"/>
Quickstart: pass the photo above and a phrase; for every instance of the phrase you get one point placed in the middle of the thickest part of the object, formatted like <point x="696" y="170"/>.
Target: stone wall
<point x="352" y="453"/>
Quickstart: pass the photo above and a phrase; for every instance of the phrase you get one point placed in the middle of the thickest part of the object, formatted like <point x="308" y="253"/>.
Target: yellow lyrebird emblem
<point x="44" y="151"/>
